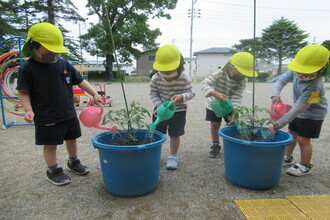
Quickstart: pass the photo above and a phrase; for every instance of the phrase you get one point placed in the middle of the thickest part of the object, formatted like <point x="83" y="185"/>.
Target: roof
<point x="215" y="50"/>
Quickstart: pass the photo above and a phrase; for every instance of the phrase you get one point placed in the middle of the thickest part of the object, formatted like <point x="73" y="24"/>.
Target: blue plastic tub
<point x="130" y="171"/>
<point x="253" y="165"/>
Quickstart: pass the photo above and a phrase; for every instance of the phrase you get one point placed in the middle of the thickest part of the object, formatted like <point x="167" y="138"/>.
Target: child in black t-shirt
<point x="45" y="92"/>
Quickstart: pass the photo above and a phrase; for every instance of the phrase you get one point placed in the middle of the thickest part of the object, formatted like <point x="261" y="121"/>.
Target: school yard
<point x="197" y="190"/>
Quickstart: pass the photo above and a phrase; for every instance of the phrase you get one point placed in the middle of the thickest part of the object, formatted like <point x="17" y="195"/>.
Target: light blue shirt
<point x="310" y="92"/>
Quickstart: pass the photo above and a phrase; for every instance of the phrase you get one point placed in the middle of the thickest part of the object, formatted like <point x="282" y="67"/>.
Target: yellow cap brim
<point x="246" y="72"/>
<point x="27" y="52"/>
<point x="296" y="67"/>
<point x="166" y="67"/>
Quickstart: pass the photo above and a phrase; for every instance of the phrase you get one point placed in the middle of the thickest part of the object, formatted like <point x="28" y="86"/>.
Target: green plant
<point x="134" y="117"/>
<point x="249" y="123"/>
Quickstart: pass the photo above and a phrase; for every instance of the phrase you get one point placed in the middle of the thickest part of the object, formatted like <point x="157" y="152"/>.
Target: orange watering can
<point x="91" y="117"/>
<point x="277" y="110"/>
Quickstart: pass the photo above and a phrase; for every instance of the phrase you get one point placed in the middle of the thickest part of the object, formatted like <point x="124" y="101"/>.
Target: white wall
<point x="209" y="63"/>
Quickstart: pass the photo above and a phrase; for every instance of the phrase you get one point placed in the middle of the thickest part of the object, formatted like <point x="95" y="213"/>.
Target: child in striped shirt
<point x="229" y="82"/>
<point x="170" y="83"/>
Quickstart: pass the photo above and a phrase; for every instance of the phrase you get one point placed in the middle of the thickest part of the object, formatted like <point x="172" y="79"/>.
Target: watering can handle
<point x="99" y="104"/>
<point x="277" y="104"/>
<point x="169" y="104"/>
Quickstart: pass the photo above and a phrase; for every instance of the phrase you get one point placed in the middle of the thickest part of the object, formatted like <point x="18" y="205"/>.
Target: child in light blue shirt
<point x="310" y="104"/>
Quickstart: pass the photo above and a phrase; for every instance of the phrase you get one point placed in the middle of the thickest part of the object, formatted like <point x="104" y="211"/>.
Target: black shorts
<point x="55" y="134"/>
<point x="210" y="116"/>
<point x="174" y="125"/>
<point x="306" y="127"/>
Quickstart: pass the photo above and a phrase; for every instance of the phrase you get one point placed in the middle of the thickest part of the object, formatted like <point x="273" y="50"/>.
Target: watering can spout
<point x="113" y="129"/>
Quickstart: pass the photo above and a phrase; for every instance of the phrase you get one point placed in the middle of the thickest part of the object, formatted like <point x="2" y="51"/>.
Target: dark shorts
<point x="210" y="116"/>
<point x="174" y="125"/>
<point x="306" y="127"/>
<point x="55" y="134"/>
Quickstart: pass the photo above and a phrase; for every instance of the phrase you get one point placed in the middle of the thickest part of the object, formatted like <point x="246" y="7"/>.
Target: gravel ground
<point x="197" y="190"/>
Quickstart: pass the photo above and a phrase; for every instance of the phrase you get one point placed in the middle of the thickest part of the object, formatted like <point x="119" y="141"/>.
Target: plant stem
<point x="129" y="124"/>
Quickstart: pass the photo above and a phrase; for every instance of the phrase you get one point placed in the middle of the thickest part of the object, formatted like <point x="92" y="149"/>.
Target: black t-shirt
<point x="50" y="88"/>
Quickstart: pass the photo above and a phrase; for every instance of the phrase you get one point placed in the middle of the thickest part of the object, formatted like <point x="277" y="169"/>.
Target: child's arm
<point x="298" y="107"/>
<point x="24" y="98"/>
<point x="187" y="93"/>
<point x="154" y="92"/>
<point x="208" y="85"/>
<point x="90" y="90"/>
<point x="280" y="84"/>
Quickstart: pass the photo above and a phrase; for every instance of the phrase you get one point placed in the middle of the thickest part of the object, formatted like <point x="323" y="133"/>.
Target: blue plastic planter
<point x="253" y="165"/>
<point x="130" y="171"/>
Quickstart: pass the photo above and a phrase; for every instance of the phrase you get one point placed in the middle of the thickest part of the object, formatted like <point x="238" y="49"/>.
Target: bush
<point x="100" y="76"/>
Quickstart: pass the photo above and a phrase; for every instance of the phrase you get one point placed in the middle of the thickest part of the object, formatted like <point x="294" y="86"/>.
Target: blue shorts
<point x="56" y="133"/>
<point x="210" y="116"/>
<point x="306" y="127"/>
<point x="174" y="125"/>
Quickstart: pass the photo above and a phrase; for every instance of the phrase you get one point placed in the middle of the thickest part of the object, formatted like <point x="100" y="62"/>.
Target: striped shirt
<point x="162" y="90"/>
<point x="220" y="82"/>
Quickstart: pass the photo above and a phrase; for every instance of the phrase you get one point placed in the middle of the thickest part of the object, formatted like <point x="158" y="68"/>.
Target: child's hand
<point x="219" y="96"/>
<point x="155" y="112"/>
<point x="177" y="99"/>
<point x="276" y="99"/>
<point x="29" y="116"/>
<point x="97" y="99"/>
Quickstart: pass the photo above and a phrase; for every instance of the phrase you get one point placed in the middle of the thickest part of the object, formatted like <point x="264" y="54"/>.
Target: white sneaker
<point x="299" y="169"/>
<point x="172" y="162"/>
<point x="288" y="160"/>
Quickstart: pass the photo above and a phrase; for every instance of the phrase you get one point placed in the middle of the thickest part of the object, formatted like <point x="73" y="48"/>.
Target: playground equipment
<point x="102" y="92"/>
<point x="80" y="96"/>
<point x="9" y="65"/>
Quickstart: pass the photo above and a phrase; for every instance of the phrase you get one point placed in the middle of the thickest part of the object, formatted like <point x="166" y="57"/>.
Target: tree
<point x="282" y="40"/>
<point x="55" y="12"/>
<point x="326" y="44"/>
<point x="251" y="46"/>
<point x="17" y="16"/>
<point x="11" y="24"/>
<point x="124" y="21"/>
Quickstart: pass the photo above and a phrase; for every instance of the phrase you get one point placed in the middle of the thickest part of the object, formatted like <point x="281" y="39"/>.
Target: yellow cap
<point x="48" y="35"/>
<point x="310" y="59"/>
<point x="167" y="58"/>
<point x="243" y="62"/>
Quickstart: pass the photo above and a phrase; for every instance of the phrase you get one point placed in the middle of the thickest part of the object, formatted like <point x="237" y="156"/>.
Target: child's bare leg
<point x="290" y="148"/>
<point x="50" y="155"/>
<point x="71" y="146"/>
<point x="306" y="150"/>
<point x="215" y="126"/>
<point x="174" y="145"/>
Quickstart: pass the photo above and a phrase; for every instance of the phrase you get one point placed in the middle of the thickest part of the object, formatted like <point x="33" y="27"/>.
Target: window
<point x="151" y="58"/>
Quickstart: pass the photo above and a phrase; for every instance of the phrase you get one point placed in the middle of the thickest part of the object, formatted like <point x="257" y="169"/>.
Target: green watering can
<point x="165" y="111"/>
<point x="222" y="109"/>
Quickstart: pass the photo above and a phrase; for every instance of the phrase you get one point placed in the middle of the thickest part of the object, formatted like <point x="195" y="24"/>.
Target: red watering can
<point x="277" y="110"/>
<point x="91" y="117"/>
